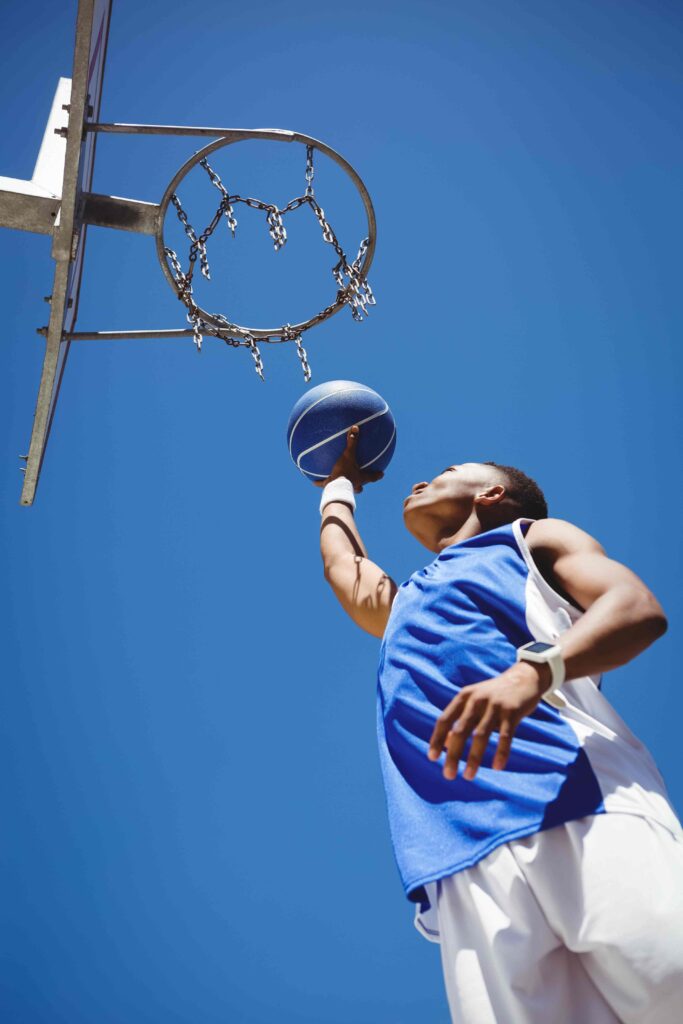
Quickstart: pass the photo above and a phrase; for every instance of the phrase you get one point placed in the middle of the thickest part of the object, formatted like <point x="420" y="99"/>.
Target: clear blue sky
<point x="194" y="824"/>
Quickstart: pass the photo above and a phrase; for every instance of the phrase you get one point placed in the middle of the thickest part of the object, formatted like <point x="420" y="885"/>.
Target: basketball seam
<point x="333" y="394"/>
<point x="379" y="456"/>
<point x="339" y="433"/>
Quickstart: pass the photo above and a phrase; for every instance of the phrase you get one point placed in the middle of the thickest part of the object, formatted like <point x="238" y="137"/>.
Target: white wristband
<point x="340" y="489"/>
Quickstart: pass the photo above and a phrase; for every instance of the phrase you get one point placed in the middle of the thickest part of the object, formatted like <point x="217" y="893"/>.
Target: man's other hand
<point x="496" y="705"/>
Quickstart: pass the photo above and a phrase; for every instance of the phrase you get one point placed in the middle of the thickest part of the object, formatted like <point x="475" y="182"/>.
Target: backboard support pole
<point x="68" y="240"/>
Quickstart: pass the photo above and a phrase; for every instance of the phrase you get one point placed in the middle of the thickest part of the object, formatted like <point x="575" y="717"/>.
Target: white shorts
<point x="581" y="924"/>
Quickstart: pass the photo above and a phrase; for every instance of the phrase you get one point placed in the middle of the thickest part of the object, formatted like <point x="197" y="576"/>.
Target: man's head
<point x="470" y="498"/>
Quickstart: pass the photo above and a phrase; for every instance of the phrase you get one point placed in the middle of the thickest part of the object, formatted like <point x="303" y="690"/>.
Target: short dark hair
<point x="523" y="491"/>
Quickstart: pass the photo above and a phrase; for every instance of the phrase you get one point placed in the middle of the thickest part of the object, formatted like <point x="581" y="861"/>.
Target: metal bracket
<point x="127" y="335"/>
<point x="123" y="214"/>
<point x="27" y="211"/>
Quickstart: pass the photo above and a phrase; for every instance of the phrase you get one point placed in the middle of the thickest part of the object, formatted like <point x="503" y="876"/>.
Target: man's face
<point x="442" y="506"/>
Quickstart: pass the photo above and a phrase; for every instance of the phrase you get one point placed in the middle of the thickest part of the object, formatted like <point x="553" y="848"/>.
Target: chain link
<point x="310" y="171"/>
<point x="301" y="352"/>
<point x="227" y="208"/>
<point x="258" y="362"/>
<point x="353" y="287"/>
<point x="228" y="332"/>
<point x="184" y="285"/>
<point x="276" y="227"/>
<point x="198" y="245"/>
<point x="291" y="335"/>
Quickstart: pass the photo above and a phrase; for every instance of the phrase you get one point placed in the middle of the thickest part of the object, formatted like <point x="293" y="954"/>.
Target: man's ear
<point x="491" y="496"/>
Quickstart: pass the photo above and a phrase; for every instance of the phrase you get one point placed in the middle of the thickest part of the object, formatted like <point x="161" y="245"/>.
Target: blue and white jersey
<point x="459" y="621"/>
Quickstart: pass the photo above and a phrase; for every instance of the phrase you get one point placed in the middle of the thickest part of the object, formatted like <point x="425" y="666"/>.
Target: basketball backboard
<point x="50" y="203"/>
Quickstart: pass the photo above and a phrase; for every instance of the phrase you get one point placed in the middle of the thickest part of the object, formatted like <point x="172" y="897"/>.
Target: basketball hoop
<point x="58" y="201"/>
<point x="353" y="289"/>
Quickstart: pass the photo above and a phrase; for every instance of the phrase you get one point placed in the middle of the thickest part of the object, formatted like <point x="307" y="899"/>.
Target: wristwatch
<point x="539" y="653"/>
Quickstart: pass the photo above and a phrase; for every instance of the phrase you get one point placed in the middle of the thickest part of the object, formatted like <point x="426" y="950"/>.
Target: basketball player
<point x="530" y="826"/>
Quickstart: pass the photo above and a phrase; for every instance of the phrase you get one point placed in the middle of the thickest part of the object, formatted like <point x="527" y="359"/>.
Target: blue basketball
<point x="320" y="420"/>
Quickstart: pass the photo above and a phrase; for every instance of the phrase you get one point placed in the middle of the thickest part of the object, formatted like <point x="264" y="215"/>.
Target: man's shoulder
<point x="559" y="537"/>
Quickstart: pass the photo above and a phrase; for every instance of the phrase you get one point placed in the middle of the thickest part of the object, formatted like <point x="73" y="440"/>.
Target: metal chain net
<point x="353" y="286"/>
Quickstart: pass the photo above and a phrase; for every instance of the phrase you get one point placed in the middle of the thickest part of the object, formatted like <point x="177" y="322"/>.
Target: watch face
<point x="537" y="648"/>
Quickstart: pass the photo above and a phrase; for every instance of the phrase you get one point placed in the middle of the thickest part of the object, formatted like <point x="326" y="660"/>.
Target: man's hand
<point x="495" y="705"/>
<point x="347" y="465"/>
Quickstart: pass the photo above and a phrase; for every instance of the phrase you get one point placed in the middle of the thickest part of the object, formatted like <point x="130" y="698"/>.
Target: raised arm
<point x="364" y="591"/>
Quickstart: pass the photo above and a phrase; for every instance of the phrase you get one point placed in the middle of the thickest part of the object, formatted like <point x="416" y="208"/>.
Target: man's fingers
<point x="454" y="747"/>
<point x="456" y="742"/>
<point x="443" y="725"/>
<point x="480" y="739"/>
<point x="476" y="712"/>
<point x="352" y="439"/>
<point x="502" y="754"/>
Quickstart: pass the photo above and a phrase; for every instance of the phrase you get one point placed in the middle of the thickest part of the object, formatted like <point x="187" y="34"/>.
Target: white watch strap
<point x="340" y="489"/>
<point x="553" y="658"/>
<point x="556" y="662"/>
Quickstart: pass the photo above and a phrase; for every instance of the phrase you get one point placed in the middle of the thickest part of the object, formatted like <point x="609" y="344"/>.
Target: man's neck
<point x="469" y="529"/>
<point x="472" y="528"/>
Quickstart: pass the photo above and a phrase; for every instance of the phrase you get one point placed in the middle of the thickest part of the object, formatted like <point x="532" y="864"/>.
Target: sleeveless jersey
<point x="459" y="621"/>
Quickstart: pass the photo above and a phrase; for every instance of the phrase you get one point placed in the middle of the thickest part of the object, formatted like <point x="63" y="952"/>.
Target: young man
<point x="530" y="826"/>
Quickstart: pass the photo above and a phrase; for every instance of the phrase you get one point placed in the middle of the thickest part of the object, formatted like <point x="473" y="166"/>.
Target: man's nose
<point x="419" y="487"/>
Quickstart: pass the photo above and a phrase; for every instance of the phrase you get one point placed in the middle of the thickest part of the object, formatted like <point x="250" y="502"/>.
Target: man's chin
<point x="412" y="525"/>
<point x="408" y="521"/>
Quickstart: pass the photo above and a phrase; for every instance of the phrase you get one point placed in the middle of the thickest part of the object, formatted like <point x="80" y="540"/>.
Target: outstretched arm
<point x="622" y="617"/>
<point x="364" y="591"/>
